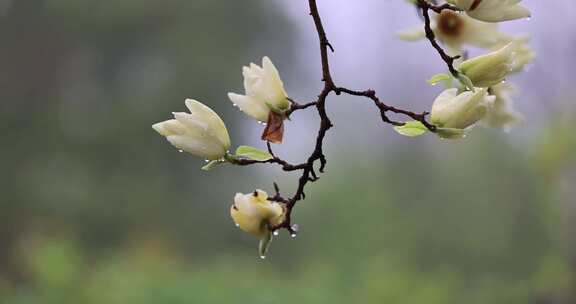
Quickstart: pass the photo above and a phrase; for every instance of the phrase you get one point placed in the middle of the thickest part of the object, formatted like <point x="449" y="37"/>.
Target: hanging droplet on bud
<point x="276" y="233"/>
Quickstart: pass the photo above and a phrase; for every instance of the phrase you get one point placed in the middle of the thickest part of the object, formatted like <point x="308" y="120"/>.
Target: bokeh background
<point x="96" y="208"/>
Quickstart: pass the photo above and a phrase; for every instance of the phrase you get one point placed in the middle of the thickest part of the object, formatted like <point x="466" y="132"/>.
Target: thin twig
<point x="426" y="8"/>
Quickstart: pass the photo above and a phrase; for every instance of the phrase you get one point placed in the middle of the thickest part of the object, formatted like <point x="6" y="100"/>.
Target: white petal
<point x="204" y="148"/>
<point x="251" y="106"/>
<point x="169" y="127"/>
<point x="215" y="123"/>
<point x="194" y="126"/>
<point x="274" y="86"/>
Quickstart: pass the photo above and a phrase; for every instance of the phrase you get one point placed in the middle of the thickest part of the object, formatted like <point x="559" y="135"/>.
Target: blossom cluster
<point x="475" y="93"/>
<point x="203" y="133"/>
<point x="481" y="94"/>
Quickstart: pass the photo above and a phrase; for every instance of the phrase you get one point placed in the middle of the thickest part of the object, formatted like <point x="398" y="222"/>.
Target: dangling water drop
<point x="262" y="257"/>
<point x="180" y="150"/>
<point x="276" y="233"/>
<point x="237" y="225"/>
<point x="207" y="160"/>
<point x="293" y="235"/>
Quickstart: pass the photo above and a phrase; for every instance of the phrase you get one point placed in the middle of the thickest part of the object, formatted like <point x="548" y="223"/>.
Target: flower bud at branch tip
<point x="200" y="132"/>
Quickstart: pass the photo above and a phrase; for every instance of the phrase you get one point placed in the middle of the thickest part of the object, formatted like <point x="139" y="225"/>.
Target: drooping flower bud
<point x="492" y="10"/>
<point x="265" y="100"/>
<point x="492" y="68"/>
<point x="460" y="111"/>
<point x="200" y="132"/>
<point x="255" y="214"/>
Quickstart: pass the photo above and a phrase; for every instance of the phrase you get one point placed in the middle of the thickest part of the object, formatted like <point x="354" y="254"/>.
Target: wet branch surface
<point x="426" y="7"/>
<point x="316" y="162"/>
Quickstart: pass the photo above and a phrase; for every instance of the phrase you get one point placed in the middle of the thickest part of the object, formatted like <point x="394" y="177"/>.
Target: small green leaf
<point x="439" y="78"/>
<point x="264" y="244"/>
<point x="450" y="133"/>
<point x="466" y="82"/>
<point x="211" y="165"/>
<point x="253" y="153"/>
<point x="411" y="129"/>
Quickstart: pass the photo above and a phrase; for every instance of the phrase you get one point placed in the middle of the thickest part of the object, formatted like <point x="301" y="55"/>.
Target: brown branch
<point x="371" y="94"/>
<point x="426" y="8"/>
<point x="294" y="106"/>
<point x="317" y="157"/>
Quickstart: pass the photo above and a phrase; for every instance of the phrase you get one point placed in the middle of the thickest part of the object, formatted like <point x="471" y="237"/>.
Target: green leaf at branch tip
<point x="439" y="78"/>
<point x="450" y="133"/>
<point x="411" y="129"/>
<point x="253" y="153"/>
<point x="466" y="82"/>
<point x="212" y="164"/>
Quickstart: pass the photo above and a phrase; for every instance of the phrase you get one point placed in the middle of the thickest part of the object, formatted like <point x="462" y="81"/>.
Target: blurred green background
<point x="97" y="208"/>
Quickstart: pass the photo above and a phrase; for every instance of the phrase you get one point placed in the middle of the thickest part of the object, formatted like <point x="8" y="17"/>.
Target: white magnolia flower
<point x="524" y="54"/>
<point x="200" y="132"/>
<point x="492" y="10"/>
<point x="492" y="68"/>
<point x="502" y="114"/>
<point x="460" y="111"/>
<point x="456" y="30"/>
<point x="264" y="91"/>
<point x="255" y="214"/>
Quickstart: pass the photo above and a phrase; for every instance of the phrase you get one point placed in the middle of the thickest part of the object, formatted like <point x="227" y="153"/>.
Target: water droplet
<point x="295" y="228"/>
<point x="235" y="105"/>
<point x="207" y="160"/>
<point x="180" y="151"/>
<point x="237" y="225"/>
<point x="276" y="233"/>
<point x="293" y="235"/>
<point x="263" y="257"/>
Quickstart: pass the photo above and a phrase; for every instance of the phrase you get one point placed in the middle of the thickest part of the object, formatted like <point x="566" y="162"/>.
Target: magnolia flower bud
<point x="201" y="133"/>
<point x="255" y="214"/>
<point x="492" y="68"/>
<point x="492" y="10"/>
<point x="460" y="111"/>
<point x="265" y="99"/>
<point x="264" y="91"/>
